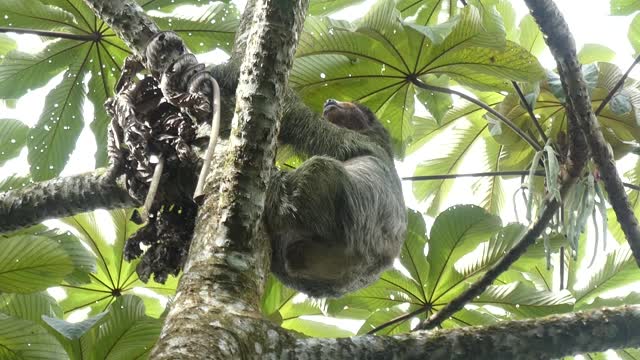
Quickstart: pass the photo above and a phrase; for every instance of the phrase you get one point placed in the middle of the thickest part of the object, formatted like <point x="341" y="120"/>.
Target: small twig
<point x="399" y="319"/>
<point x="153" y="188"/>
<point x="480" y="174"/>
<point x="617" y="86"/>
<point x="486" y="107"/>
<point x="530" y="111"/>
<point x="213" y="139"/>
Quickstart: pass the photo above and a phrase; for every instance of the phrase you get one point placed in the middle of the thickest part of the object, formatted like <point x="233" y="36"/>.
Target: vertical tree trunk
<point x="216" y="312"/>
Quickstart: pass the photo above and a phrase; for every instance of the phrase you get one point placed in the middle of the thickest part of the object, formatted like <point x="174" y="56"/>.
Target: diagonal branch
<point x="562" y="46"/>
<point x="617" y="86"/>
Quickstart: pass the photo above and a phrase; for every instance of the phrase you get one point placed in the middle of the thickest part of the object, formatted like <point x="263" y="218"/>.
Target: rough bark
<point x="216" y="310"/>
<point x="563" y="48"/>
<point x="546" y="338"/>
<point x="62" y="197"/>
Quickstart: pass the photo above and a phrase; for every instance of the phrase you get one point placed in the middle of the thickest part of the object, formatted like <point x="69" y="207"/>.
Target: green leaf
<point x="70" y="335"/>
<point x="455" y="232"/>
<point x="530" y="36"/>
<point x="29" y="306"/>
<point x="591" y="53"/>
<point x="212" y="26"/>
<point x="632" y="298"/>
<point x="115" y="276"/>
<point x="6" y="45"/>
<point x="13" y="136"/>
<point x="412" y="255"/>
<point x="83" y="261"/>
<point x="22" y="339"/>
<point x="525" y="301"/>
<point x="325" y="7"/>
<point x="437" y="103"/>
<point x="31" y="263"/>
<point x="127" y="333"/>
<point x="13" y="182"/>
<point x="30" y="71"/>
<point x="618" y="270"/>
<point x="53" y="138"/>
<point x="34" y="15"/>
<point x="73" y="331"/>
<point x="459" y="144"/>
<point x="634" y="33"/>
<point x="624" y="7"/>
<point x="491" y="187"/>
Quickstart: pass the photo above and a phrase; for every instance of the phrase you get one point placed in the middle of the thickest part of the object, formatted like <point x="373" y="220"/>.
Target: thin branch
<point x="617" y="86"/>
<point x="52" y="34"/>
<point x="527" y="106"/>
<point x="480" y="174"/>
<point x="417" y="82"/>
<point x="562" y="46"/>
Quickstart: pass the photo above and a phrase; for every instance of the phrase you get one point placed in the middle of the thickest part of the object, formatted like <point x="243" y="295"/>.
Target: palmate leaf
<point x="106" y="234"/>
<point x="35" y="15"/>
<point x="6" y="44"/>
<point x="80" y="44"/>
<point x="287" y="308"/>
<point x="524" y="301"/>
<point x="53" y="138"/>
<point x="619" y="269"/>
<point x="491" y="187"/>
<point x="13" y="137"/>
<point x="23" y="339"/>
<point x="456" y="231"/>
<point x="126" y="333"/>
<point x="375" y="60"/>
<point x="214" y="26"/>
<point x="459" y="143"/>
<point x="624" y="7"/>
<point x="83" y="261"/>
<point x="29" y="306"/>
<point x="31" y="263"/>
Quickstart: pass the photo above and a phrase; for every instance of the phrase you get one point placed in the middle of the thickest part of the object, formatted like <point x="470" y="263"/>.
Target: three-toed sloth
<point x="337" y="221"/>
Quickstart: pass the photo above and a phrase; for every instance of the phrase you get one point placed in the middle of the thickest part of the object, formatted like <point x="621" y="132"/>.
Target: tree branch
<point x="52" y="34"/>
<point x="218" y="299"/>
<point x="534" y="144"/>
<point x="62" y="197"/>
<point x="562" y="46"/>
<point x="547" y="338"/>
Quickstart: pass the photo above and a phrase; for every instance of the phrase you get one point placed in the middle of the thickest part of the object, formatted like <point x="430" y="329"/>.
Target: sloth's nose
<point x="330" y="102"/>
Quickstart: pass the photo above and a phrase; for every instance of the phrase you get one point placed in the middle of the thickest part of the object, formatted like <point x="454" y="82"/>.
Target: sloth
<point x="339" y="220"/>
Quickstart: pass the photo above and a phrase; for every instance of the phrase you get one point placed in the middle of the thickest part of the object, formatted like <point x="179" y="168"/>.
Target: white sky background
<point x="588" y="21"/>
